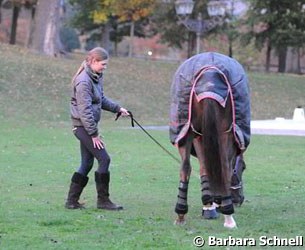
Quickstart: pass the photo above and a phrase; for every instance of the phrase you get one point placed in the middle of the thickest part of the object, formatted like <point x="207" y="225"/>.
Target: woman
<point x="87" y="102"/>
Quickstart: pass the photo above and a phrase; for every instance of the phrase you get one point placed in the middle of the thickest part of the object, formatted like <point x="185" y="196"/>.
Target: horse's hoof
<point x="229" y="222"/>
<point x="230" y="225"/>
<point x="210" y="213"/>
<point x="180" y="220"/>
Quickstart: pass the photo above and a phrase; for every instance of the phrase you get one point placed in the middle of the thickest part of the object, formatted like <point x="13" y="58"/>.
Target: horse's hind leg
<point x="227" y="210"/>
<point x="209" y="209"/>
<point x="181" y="206"/>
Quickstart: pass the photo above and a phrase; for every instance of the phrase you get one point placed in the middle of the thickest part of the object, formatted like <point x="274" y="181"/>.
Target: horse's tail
<point x="214" y="154"/>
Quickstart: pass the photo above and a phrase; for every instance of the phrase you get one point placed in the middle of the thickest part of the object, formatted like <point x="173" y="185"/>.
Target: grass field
<point x="39" y="155"/>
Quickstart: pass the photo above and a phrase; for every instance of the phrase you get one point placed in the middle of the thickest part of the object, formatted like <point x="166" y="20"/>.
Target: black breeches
<point x="88" y="153"/>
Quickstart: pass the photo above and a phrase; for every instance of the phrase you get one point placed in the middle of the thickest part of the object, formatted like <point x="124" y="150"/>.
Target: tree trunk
<point x="191" y="42"/>
<point x="282" y="59"/>
<point x="299" y="61"/>
<point x="230" y="47"/>
<point x="189" y="45"/>
<point x="15" y="15"/>
<point x="293" y="61"/>
<point x="115" y="52"/>
<point x="46" y="28"/>
<point x="31" y="27"/>
<point x="268" y="57"/>
<point x="130" y="52"/>
<point x="0" y="11"/>
<point x="106" y="36"/>
<point x="83" y="41"/>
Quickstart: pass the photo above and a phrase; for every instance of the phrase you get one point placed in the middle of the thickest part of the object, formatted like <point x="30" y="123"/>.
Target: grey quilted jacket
<point x="87" y="102"/>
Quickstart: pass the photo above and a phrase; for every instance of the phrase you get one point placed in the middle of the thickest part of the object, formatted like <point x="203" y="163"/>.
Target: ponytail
<point x="80" y="69"/>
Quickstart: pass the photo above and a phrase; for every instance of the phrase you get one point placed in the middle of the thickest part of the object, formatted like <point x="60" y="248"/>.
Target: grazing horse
<point x="203" y="124"/>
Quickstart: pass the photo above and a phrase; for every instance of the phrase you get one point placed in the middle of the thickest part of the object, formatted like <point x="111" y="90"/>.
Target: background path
<point x="277" y="126"/>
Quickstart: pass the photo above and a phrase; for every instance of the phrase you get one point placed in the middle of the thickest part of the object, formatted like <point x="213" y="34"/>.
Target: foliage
<point x="134" y="10"/>
<point x="104" y="11"/>
<point x="125" y="10"/>
<point x="69" y="39"/>
<point x="278" y="21"/>
<point x="117" y="14"/>
<point x="230" y="29"/>
<point x="83" y="18"/>
<point x="167" y="24"/>
<point x="169" y="31"/>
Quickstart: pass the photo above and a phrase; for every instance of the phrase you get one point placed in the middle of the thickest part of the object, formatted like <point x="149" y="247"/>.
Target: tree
<point x="110" y="20"/>
<point x="278" y="24"/>
<point x="103" y="16"/>
<point x="70" y="38"/>
<point x="132" y="11"/>
<point x="125" y="11"/>
<point x="165" y="23"/>
<point x="172" y="30"/>
<point x="16" y="6"/>
<point x="232" y="22"/>
<point x="0" y="11"/>
<point x="46" y="38"/>
<point x="83" y="20"/>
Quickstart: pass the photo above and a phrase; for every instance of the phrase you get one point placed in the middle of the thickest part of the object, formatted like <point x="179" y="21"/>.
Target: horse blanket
<point x="210" y="75"/>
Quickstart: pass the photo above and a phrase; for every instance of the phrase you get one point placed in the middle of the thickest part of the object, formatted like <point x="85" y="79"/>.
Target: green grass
<point x="37" y="166"/>
<point x="37" y="88"/>
<point x="39" y="154"/>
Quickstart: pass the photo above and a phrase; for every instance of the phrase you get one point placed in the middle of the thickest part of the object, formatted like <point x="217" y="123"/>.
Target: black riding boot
<point x="78" y="182"/>
<point x="102" y="188"/>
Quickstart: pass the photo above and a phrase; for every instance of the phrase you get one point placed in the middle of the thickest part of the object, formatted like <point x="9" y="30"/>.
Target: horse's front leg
<point x="185" y="171"/>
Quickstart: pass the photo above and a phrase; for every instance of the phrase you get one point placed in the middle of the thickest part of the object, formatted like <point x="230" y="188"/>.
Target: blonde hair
<point x="98" y="53"/>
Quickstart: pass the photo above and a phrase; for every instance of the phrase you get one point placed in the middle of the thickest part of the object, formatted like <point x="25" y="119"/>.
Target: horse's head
<point x="237" y="191"/>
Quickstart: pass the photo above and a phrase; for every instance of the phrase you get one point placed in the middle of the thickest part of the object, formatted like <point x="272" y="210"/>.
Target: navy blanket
<point x="219" y="75"/>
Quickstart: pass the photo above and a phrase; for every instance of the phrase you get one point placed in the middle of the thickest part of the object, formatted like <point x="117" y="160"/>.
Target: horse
<point x="216" y="153"/>
<point x="210" y="135"/>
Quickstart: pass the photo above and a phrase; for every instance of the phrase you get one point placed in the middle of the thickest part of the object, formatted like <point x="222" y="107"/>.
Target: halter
<point x="238" y="186"/>
<point x="240" y="183"/>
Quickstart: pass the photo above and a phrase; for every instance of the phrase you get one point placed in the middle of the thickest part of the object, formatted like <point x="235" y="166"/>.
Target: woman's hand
<point x="97" y="142"/>
<point x="124" y="112"/>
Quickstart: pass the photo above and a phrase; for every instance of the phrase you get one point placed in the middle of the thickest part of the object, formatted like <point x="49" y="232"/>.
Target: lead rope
<point x="133" y="120"/>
